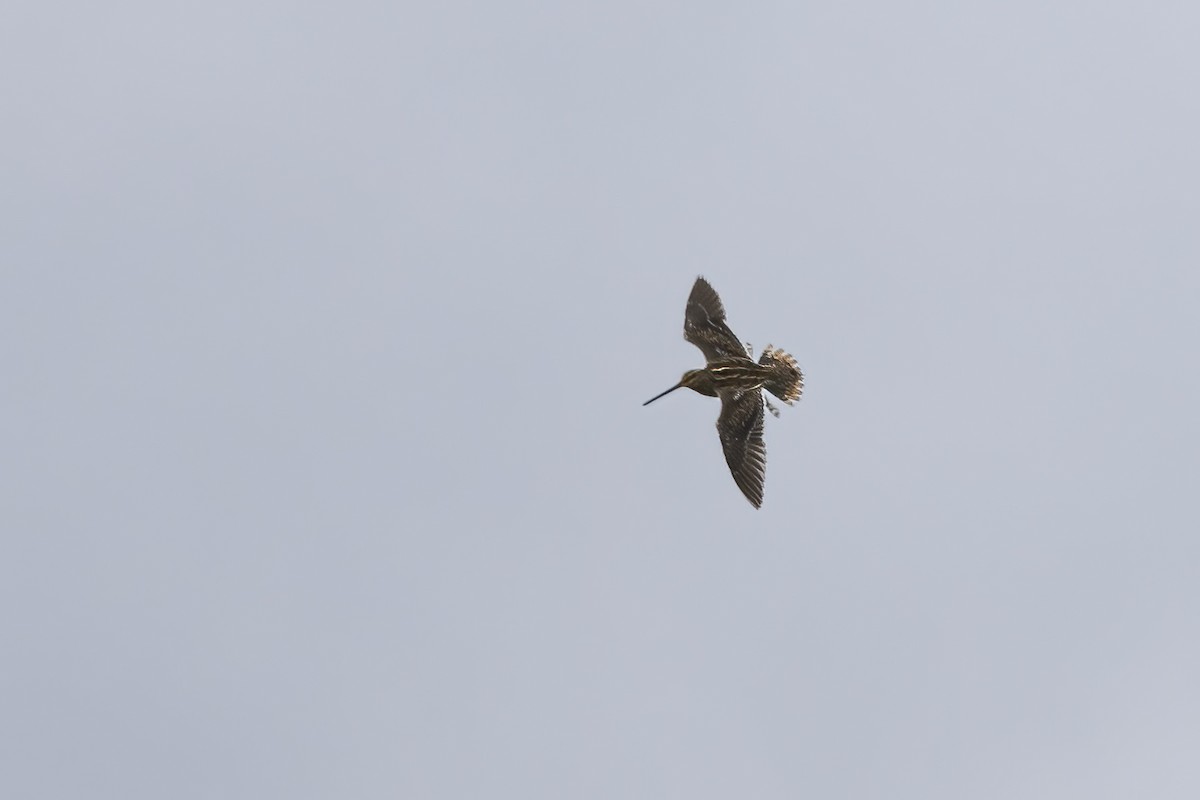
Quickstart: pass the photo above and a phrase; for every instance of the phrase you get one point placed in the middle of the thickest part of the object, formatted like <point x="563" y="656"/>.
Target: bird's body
<point x="738" y="380"/>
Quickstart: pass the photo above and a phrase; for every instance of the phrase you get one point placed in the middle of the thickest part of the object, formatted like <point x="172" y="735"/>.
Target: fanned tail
<point x="786" y="381"/>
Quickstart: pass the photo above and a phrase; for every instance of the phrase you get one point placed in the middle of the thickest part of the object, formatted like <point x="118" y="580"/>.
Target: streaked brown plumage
<point x="732" y="375"/>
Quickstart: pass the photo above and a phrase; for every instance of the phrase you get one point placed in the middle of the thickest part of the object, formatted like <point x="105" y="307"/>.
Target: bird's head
<point x="696" y="379"/>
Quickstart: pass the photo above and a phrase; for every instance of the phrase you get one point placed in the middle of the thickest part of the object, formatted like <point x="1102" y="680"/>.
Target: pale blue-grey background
<point x="325" y="332"/>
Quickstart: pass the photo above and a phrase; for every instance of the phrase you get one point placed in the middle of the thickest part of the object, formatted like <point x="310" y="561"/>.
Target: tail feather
<point x="786" y="381"/>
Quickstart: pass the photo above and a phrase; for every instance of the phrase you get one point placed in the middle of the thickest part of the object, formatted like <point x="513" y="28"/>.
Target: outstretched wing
<point x="741" y="429"/>
<point x="704" y="324"/>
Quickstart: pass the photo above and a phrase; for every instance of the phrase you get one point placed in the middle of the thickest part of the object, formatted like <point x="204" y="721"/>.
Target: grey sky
<point x="326" y="330"/>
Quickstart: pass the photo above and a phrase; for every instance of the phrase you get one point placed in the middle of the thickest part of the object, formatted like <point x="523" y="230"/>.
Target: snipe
<point x="734" y="376"/>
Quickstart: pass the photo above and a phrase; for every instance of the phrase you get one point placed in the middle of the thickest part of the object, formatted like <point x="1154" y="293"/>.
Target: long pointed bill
<point x="667" y="392"/>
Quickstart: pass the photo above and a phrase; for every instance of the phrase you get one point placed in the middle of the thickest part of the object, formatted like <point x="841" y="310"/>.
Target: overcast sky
<point x="325" y="333"/>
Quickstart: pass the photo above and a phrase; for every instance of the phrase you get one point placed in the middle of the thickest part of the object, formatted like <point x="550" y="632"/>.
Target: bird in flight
<point x="732" y="374"/>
